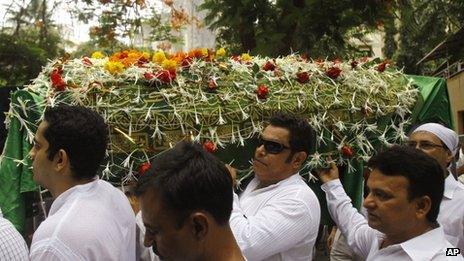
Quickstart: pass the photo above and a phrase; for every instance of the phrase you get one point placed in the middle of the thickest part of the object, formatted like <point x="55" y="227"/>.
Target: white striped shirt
<point x="278" y="222"/>
<point x="12" y="245"/>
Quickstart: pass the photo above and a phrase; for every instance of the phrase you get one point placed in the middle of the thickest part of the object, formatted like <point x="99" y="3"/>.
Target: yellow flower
<point x="221" y="52"/>
<point x="169" y="65"/>
<point x="97" y="55"/>
<point x="146" y="55"/>
<point x="114" y="67"/>
<point x="159" y="57"/>
<point x="204" y="51"/>
<point x="246" y="57"/>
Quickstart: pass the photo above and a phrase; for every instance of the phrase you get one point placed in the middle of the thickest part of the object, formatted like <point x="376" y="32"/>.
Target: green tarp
<point x="15" y="178"/>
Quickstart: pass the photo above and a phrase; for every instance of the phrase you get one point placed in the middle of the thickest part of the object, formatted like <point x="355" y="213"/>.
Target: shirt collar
<point x="426" y="245"/>
<point x="450" y="186"/>
<point x="70" y="193"/>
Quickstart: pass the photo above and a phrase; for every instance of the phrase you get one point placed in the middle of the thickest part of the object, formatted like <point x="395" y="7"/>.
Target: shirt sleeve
<point x="278" y="226"/>
<point x="49" y="255"/>
<point x="351" y="223"/>
<point x="53" y="250"/>
<point x="12" y="245"/>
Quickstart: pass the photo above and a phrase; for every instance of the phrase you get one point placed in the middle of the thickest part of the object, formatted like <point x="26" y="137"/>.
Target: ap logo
<point x="453" y="251"/>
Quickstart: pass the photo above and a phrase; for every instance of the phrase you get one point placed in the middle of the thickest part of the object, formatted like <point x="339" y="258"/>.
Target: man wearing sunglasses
<point x="442" y="144"/>
<point x="277" y="216"/>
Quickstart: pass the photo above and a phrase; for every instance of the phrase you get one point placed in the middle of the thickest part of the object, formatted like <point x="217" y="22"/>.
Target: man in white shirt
<point x="277" y="216"/>
<point x="12" y="245"/>
<point x="186" y="201"/>
<point x="405" y="190"/>
<point x="442" y="144"/>
<point x="89" y="218"/>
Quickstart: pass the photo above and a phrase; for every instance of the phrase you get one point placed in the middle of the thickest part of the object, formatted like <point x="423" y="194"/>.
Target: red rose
<point x="186" y="62"/>
<point x="148" y="75"/>
<point x="262" y="91"/>
<point x="269" y="66"/>
<point x="86" y="61"/>
<point x="333" y="72"/>
<point x="347" y="151"/>
<point x="354" y="64"/>
<point x="166" y="76"/>
<point x="143" y="168"/>
<point x="57" y="81"/>
<point x="209" y="146"/>
<point x="236" y="58"/>
<point x="212" y="85"/>
<point x="142" y="61"/>
<point x="382" y="66"/>
<point x="302" y="77"/>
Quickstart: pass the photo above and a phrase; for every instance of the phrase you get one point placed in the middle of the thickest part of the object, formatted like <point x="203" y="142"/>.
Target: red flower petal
<point x="57" y="81"/>
<point x="209" y="146"/>
<point x="262" y="91"/>
<point x="333" y="72"/>
<point x="302" y="77"/>
<point x="144" y="168"/>
<point x="86" y="61"/>
<point x="269" y="66"/>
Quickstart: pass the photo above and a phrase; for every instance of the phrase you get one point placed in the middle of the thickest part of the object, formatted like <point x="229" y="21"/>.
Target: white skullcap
<point x="446" y="135"/>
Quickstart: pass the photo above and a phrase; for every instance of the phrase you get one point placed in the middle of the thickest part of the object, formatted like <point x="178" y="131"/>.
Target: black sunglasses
<point x="271" y="147"/>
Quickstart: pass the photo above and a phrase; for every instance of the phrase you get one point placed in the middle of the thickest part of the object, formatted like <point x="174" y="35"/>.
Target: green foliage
<point x="421" y="25"/>
<point x="124" y="19"/>
<point x="20" y="61"/>
<point x="279" y="27"/>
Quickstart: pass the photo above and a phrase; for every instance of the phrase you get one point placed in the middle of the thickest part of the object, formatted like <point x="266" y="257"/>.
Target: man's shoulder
<point x="296" y="191"/>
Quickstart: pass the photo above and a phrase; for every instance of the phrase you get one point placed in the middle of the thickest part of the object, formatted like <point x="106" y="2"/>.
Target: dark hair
<point x="301" y="137"/>
<point x="425" y="175"/>
<point x="79" y="131"/>
<point x="188" y="179"/>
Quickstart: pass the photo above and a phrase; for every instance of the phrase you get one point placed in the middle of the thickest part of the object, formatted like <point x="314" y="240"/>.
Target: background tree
<point x="316" y="27"/>
<point x="418" y="27"/>
<point x="27" y="40"/>
<point x="128" y="23"/>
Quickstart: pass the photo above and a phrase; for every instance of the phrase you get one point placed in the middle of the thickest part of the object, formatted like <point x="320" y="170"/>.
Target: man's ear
<point x="299" y="158"/>
<point x="199" y="225"/>
<point x="61" y="160"/>
<point x="423" y="206"/>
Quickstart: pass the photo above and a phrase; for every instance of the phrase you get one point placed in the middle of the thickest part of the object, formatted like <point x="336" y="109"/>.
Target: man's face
<point x="432" y="146"/>
<point x="42" y="167"/>
<point x="162" y="232"/>
<point x="271" y="168"/>
<point x="389" y="210"/>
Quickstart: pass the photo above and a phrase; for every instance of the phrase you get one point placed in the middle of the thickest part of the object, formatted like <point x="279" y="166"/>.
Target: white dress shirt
<point x="93" y="221"/>
<point x="451" y="216"/>
<point x="12" y="245"/>
<point x="366" y="241"/>
<point x="278" y="222"/>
